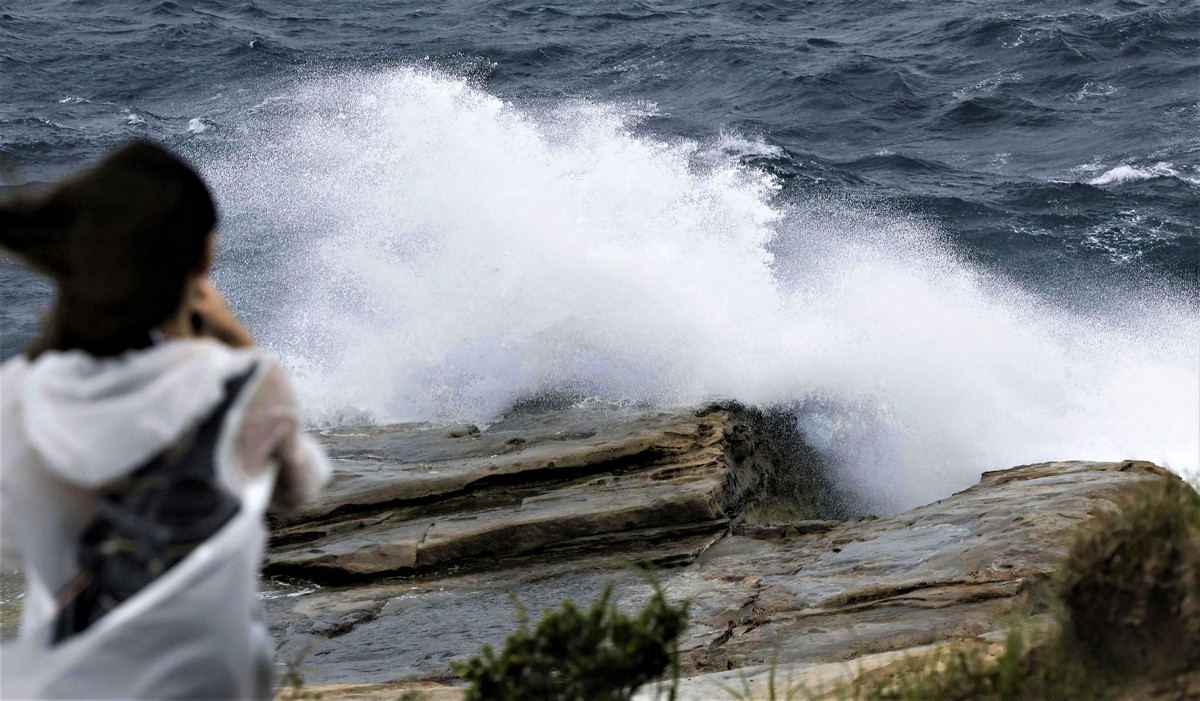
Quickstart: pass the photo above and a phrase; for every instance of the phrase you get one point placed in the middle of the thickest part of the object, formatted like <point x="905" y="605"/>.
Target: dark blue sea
<point x="951" y="236"/>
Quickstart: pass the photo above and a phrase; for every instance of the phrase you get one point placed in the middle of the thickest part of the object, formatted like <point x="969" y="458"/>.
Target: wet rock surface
<point x="408" y="562"/>
<point x="407" y="499"/>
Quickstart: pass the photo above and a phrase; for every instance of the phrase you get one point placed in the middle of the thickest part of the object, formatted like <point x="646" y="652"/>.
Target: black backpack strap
<point x="168" y="507"/>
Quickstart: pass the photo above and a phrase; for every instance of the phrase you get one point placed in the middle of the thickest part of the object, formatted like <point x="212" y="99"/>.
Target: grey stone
<point x="408" y="563"/>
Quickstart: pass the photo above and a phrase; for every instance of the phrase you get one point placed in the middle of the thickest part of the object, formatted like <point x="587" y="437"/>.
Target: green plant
<point x="1130" y="587"/>
<point x="599" y="654"/>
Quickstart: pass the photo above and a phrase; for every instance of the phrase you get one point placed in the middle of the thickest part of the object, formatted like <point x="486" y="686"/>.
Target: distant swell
<point x="427" y="251"/>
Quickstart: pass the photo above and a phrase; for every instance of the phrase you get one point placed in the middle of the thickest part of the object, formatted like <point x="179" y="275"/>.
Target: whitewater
<point x="418" y="249"/>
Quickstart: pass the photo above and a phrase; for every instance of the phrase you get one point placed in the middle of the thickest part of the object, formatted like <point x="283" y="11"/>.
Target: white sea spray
<point x="453" y="253"/>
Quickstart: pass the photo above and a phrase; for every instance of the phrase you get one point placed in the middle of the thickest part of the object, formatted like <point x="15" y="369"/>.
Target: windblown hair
<point x="118" y="241"/>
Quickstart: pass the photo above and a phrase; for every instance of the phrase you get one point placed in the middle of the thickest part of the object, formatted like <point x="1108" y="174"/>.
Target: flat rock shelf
<point x="408" y="561"/>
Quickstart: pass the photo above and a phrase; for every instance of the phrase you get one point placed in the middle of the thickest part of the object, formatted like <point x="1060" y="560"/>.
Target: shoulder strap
<point x="173" y="496"/>
<point x="170" y="506"/>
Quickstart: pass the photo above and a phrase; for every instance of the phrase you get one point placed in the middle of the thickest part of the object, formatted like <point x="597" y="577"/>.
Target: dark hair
<point x="118" y="241"/>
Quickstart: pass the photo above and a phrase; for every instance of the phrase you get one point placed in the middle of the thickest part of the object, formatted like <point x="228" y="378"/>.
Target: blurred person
<point x="142" y="439"/>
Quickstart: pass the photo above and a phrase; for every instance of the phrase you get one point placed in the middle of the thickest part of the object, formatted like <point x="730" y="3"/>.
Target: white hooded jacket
<point x="72" y="424"/>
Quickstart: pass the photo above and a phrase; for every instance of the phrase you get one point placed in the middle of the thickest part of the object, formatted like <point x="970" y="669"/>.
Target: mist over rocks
<point x="408" y="562"/>
<point x="607" y="259"/>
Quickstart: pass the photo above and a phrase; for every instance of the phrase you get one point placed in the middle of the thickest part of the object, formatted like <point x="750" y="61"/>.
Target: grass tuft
<point x="1130" y="587"/>
<point x="1018" y="673"/>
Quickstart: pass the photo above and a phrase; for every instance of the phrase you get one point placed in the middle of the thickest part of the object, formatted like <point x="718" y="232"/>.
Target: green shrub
<point x="599" y="654"/>
<point x="1130" y="587"/>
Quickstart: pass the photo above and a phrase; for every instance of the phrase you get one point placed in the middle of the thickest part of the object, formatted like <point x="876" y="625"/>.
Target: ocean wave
<point x="730" y="143"/>
<point x="1129" y="173"/>
<point x="898" y="163"/>
<point x="1094" y="89"/>
<point x="444" y="254"/>
<point x="988" y="86"/>
<point x="978" y="111"/>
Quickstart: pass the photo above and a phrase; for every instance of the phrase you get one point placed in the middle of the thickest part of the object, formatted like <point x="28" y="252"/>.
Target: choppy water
<point x="955" y="236"/>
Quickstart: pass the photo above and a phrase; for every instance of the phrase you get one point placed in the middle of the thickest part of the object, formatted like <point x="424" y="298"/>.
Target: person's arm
<point x="271" y="427"/>
<point x="303" y="471"/>
<point x="271" y="430"/>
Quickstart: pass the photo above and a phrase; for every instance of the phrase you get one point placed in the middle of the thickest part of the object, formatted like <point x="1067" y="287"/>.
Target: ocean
<point x="949" y="237"/>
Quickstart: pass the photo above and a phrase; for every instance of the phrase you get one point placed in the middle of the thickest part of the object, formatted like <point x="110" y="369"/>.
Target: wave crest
<point x="449" y="254"/>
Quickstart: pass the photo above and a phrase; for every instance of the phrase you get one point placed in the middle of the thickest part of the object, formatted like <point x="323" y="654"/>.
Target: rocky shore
<point x="408" y="561"/>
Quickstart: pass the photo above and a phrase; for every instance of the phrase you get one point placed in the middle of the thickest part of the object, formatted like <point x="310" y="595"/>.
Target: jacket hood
<point x="93" y="420"/>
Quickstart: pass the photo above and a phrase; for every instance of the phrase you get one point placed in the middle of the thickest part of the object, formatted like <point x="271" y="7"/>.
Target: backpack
<point x="150" y="523"/>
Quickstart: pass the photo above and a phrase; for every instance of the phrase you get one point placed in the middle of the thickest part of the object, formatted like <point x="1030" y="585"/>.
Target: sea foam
<point x="1128" y="173"/>
<point x="451" y="253"/>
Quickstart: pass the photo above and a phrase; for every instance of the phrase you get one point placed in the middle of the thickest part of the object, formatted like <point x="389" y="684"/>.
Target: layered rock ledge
<point x="408" y="562"/>
<point x="409" y="499"/>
